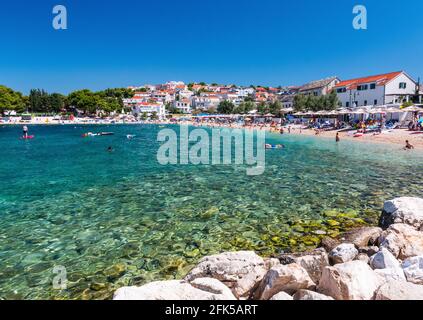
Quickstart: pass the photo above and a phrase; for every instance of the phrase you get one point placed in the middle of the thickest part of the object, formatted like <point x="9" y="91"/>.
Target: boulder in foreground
<point x="399" y="290"/>
<point x="343" y="253"/>
<point x="402" y="240"/>
<point x="200" y="289"/>
<point x="406" y="210"/>
<point x="310" y="295"/>
<point x="241" y="271"/>
<point x="288" y="278"/>
<point x="353" y="280"/>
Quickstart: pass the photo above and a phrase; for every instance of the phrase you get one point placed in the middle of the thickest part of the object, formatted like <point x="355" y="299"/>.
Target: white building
<point x="389" y="88"/>
<point x="184" y="105"/>
<point x="319" y="87"/>
<point x="205" y="101"/>
<point x="149" y="109"/>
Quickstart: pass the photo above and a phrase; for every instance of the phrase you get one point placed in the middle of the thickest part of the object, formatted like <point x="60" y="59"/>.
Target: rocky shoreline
<point x="366" y="263"/>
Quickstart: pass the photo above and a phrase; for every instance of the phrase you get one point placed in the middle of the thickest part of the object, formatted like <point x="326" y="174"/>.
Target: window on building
<point x="375" y="102"/>
<point x="362" y="87"/>
<point x="341" y="90"/>
<point x="372" y="86"/>
<point x="347" y="104"/>
<point x="403" y="85"/>
<point x="365" y="102"/>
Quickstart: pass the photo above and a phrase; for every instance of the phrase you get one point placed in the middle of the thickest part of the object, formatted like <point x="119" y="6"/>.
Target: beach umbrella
<point x="344" y="111"/>
<point x="333" y="113"/>
<point x="322" y="112"/>
<point x="287" y="110"/>
<point x="393" y="110"/>
<point x="412" y="109"/>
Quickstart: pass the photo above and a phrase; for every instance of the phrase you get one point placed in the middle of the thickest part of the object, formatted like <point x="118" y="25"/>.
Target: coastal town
<point x="369" y="107"/>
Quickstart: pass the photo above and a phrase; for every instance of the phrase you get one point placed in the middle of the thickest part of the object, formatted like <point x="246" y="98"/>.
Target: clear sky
<point x="267" y="42"/>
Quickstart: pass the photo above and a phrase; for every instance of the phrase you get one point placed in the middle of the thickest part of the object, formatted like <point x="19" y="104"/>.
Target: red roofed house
<point x="389" y="88"/>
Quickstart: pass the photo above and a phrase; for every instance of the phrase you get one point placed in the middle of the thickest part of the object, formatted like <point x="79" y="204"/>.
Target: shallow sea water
<point x="120" y="218"/>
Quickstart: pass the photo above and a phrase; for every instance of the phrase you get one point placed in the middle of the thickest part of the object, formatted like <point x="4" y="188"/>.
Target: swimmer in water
<point x="408" y="146"/>
<point x="337" y="137"/>
<point x="25" y="131"/>
<point x="110" y="149"/>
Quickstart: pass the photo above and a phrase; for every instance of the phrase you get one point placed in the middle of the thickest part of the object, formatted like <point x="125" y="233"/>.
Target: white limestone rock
<point x="289" y="278"/>
<point x="402" y="240"/>
<point x="399" y="290"/>
<point x="384" y="259"/>
<point x="413" y="269"/>
<point x="241" y="271"/>
<point x="353" y="280"/>
<point x="310" y="295"/>
<point x="314" y="263"/>
<point x="207" y="289"/>
<point x="281" y="296"/>
<point x="343" y="253"/>
<point x="406" y="210"/>
<point x="391" y="274"/>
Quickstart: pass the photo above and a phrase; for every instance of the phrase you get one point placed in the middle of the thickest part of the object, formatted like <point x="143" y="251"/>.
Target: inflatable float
<point x="27" y="137"/>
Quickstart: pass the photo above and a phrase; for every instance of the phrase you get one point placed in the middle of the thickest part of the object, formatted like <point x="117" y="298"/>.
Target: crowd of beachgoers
<point x="368" y="131"/>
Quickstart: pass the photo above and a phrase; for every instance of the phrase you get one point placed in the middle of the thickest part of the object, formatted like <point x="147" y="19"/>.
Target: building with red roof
<point x="388" y="88"/>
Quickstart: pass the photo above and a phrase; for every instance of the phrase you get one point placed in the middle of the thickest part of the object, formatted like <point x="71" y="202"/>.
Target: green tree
<point x="57" y="102"/>
<point x="300" y="102"/>
<point x="263" y="108"/>
<point x="332" y="101"/>
<point x="225" y="107"/>
<point x="275" y="107"/>
<point x="11" y="100"/>
<point x="154" y="116"/>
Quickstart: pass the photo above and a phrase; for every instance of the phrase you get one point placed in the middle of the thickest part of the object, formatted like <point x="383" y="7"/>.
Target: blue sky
<point x="267" y="42"/>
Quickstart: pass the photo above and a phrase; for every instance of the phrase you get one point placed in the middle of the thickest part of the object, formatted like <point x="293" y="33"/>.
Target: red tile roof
<point x="380" y="80"/>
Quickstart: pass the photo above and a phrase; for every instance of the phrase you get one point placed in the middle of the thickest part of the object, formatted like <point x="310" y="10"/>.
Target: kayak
<point x="28" y="137"/>
<point x="105" y="133"/>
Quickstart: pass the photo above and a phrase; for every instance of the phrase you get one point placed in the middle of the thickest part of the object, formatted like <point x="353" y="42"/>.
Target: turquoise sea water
<point x="119" y="218"/>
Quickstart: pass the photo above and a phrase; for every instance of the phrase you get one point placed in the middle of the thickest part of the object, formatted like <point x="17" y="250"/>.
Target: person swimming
<point x="408" y="146"/>
<point x="110" y="149"/>
<point x="274" y="146"/>
<point x="25" y="131"/>
<point x="337" y="137"/>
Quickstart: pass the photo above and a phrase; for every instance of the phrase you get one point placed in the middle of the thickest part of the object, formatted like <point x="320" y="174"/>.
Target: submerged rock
<point x="199" y="289"/>
<point x="241" y="271"/>
<point x="362" y="237"/>
<point x="406" y="210"/>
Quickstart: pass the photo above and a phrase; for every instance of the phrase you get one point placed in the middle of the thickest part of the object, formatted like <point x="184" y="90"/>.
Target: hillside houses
<point x="394" y="87"/>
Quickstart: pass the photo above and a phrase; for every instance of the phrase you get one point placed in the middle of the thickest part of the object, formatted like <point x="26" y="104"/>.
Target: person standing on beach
<point x="337" y="137"/>
<point x="25" y="131"/>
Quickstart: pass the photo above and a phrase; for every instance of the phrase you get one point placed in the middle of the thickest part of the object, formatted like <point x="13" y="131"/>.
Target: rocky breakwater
<point x="368" y="263"/>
